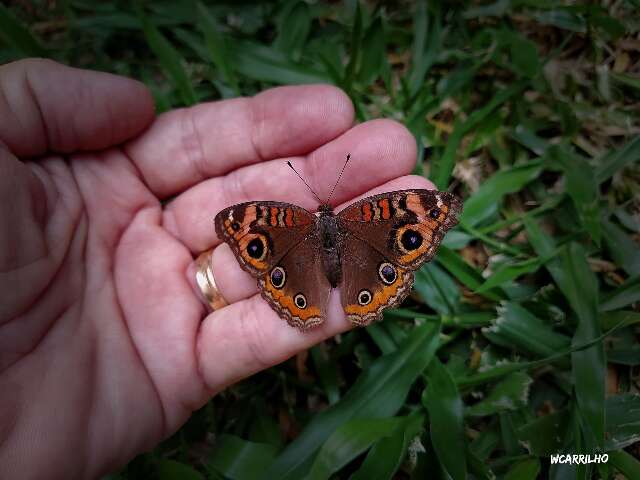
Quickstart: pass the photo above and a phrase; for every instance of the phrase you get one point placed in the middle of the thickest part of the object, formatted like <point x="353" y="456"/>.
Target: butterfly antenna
<point x="339" y="177"/>
<point x="303" y="181"/>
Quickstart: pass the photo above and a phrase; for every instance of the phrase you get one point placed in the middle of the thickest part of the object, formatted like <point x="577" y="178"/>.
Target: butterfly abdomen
<point x="331" y="240"/>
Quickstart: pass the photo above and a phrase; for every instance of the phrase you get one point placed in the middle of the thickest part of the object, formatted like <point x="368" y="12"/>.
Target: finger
<point x="380" y="150"/>
<point x="246" y="337"/>
<point x="235" y="284"/>
<point x="46" y="106"/>
<point x="186" y="146"/>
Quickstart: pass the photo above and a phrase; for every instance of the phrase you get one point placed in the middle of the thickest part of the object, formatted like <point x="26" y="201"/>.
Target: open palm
<point x="104" y="344"/>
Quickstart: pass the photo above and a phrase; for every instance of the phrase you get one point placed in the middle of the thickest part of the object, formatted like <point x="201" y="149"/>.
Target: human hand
<point x="105" y="347"/>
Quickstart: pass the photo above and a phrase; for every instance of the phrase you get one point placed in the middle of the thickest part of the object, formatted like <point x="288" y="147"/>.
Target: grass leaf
<point x="240" y="459"/>
<point x="617" y="159"/>
<point x="623" y="421"/>
<point x="528" y="469"/>
<point x="588" y="364"/>
<point x="495" y="188"/>
<point x="437" y="289"/>
<point x="582" y="188"/>
<point x="171" y="61"/>
<point x="509" y="272"/>
<point x="625" y="463"/>
<point x="172" y="470"/>
<point x="293" y="29"/>
<point x="509" y="394"/>
<point x="217" y="47"/>
<point x="385" y="458"/>
<point x="517" y="328"/>
<point x="348" y="442"/>
<point x="17" y="36"/>
<point x="622" y="248"/>
<point x="442" y="400"/>
<point x="626" y="294"/>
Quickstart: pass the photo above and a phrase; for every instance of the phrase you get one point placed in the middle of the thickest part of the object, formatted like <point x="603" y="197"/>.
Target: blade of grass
<point x="465" y="273"/>
<point x="442" y="399"/>
<point x="168" y="469"/>
<point x="543" y="436"/>
<point x="509" y="272"/>
<point x="588" y="364"/>
<point x="293" y="29"/>
<point x="617" y="159"/>
<point x="373" y="56"/>
<point x="528" y="469"/>
<point x="582" y="188"/>
<point x="427" y="41"/>
<point x="348" y="442"/>
<point x="437" y="289"/>
<point x="17" y="36"/>
<point x="171" y="61"/>
<point x="385" y="457"/>
<point x="517" y="328"/>
<point x="623" y="318"/>
<point x="622" y="248"/>
<point x="562" y="19"/>
<point x="265" y="64"/>
<point x="625" y="463"/>
<point x="327" y="373"/>
<point x="623" y="421"/>
<point x="626" y="294"/>
<point x="496" y="187"/>
<point x="216" y="46"/>
<point x="511" y="393"/>
<point x="356" y="45"/>
<point x="240" y="459"/>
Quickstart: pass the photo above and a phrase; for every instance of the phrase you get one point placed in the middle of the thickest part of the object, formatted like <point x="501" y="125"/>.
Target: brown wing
<point x="405" y="226"/>
<point x="371" y="282"/>
<point x="296" y="287"/>
<point x="278" y="243"/>
<point x="261" y="233"/>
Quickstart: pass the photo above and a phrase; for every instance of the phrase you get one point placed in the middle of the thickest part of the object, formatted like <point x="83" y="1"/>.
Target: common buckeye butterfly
<point x="370" y="249"/>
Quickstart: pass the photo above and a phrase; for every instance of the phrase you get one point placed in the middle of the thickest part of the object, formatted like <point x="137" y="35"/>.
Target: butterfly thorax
<point x="331" y="241"/>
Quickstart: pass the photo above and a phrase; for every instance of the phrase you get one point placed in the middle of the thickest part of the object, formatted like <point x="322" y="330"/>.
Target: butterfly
<point x="369" y="249"/>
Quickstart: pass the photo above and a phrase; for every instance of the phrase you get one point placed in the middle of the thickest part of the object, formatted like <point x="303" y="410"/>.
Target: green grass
<point x="522" y="338"/>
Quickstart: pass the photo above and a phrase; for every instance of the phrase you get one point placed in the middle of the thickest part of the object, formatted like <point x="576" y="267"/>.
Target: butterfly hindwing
<point x="371" y="283"/>
<point x="260" y="233"/>
<point x="405" y="226"/>
<point x="297" y="287"/>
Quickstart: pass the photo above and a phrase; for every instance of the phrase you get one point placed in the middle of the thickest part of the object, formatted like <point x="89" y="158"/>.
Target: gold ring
<point x="207" y="283"/>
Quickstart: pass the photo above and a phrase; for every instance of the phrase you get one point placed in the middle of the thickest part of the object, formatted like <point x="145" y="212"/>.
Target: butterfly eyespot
<point x="411" y="240"/>
<point x="300" y="301"/>
<point x="255" y="249"/>
<point x="235" y="226"/>
<point x="434" y="213"/>
<point x="387" y="273"/>
<point x="278" y="277"/>
<point x="364" y="297"/>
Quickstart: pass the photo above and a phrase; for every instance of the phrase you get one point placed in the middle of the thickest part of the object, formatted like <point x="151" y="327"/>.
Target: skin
<point x="105" y="346"/>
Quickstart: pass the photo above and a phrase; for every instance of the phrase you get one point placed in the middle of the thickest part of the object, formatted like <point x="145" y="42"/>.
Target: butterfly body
<point x="369" y="249"/>
<point x="331" y="237"/>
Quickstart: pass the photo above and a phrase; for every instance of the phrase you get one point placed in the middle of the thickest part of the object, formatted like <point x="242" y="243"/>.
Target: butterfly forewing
<point x="406" y="226"/>
<point x="261" y="233"/>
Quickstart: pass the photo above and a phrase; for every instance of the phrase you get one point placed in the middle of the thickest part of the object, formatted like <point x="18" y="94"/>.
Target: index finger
<point x="186" y="146"/>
